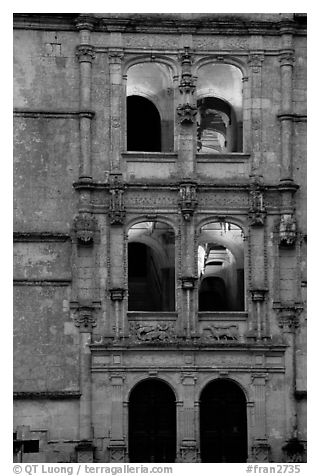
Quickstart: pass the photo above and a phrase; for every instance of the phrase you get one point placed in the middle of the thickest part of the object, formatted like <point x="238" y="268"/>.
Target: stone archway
<point x="223" y="423"/>
<point x="152" y="423"/>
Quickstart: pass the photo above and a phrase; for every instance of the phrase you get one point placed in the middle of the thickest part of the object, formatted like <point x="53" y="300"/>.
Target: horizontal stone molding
<point x="221" y="315"/>
<point x="234" y="158"/>
<point x="42" y="282"/>
<point x="150" y="157"/>
<point x="214" y="24"/>
<point x="149" y="315"/>
<point x="294" y="117"/>
<point x="54" y="114"/>
<point x="53" y="395"/>
<point x="35" y="237"/>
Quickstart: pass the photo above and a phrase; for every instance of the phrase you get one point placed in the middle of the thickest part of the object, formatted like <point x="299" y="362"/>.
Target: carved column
<point x="261" y="447"/>
<point x="287" y="187"/>
<point x="117" y="445"/>
<point x="188" y="448"/>
<point x="116" y="105"/>
<point x="186" y="118"/>
<point x="255" y="62"/>
<point x="288" y="320"/>
<point x="188" y="202"/>
<point x="119" y="321"/>
<point x="261" y="325"/>
<point x="84" y="319"/>
<point x="257" y="259"/>
<point x="85" y="53"/>
<point x="117" y="253"/>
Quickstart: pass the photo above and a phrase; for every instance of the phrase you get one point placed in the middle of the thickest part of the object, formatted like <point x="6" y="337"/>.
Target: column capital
<point x="286" y="57"/>
<point x="115" y="55"/>
<point x="85" y="53"/>
<point x="258" y="294"/>
<point x="255" y="61"/>
<point x="117" y="294"/>
<point x="188" y="282"/>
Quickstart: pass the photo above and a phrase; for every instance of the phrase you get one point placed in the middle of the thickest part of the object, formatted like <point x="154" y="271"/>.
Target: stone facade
<point x="79" y="349"/>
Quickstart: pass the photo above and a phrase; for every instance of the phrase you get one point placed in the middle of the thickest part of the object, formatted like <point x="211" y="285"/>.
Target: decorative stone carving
<point x="85" y="452"/>
<point x="293" y="451"/>
<point x="186" y="113"/>
<point x="84" y="318"/>
<point x="188" y="454"/>
<point x="188" y="199"/>
<point x="257" y="211"/>
<point x="221" y="333"/>
<point x="117" y="454"/>
<point x="161" y="332"/>
<point x="288" y="317"/>
<point x="261" y="451"/>
<point x="287" y="231"/>
<point x="85" y="226"/>
<point x="117" y="211"/>
<point x="85" y="53"/>
<point x="187" y="110"/>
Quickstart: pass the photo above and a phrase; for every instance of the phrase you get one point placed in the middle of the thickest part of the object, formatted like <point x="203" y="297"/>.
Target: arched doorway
<point x="143" y="125"/>
<point x="152" y="423"/>
<point x="223" y="423"/>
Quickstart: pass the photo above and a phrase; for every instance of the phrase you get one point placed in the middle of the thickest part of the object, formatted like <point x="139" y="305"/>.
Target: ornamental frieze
<point x="232" y="199"/>
<point x="158" y="332"/>
<point x="221" y="333"/>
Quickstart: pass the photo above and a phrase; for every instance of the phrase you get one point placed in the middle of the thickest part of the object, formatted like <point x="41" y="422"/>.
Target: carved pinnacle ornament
<point x="188" y="199"/>
<point x="257" y="211"/>
<point x="85" y="226"/>
<point x="187" y="110"/>
<point x="117" y="211"/>
<point x="287" y="231"/>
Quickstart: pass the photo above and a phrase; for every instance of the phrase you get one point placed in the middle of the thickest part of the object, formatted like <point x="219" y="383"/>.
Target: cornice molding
<point x="42" y="282"/>
<point x="212" y="24"/>
<point x="53" y="395"/>
<point x="57" y="114"/>
<point x="38" y="236"/>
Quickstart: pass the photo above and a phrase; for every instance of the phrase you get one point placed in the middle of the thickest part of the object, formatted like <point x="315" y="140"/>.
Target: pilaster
<point x="186" y="117"/>
<point x="117" y="447"/>
<point x="116" y="105"/>
<point x="260" y="448"/>
<point x="255" y="62"/>
<point x="189" y="448"/>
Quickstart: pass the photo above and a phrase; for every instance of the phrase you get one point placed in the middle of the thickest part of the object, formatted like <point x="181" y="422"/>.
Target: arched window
<point x="150" y="108"/>
<point x="217" y="128"/>
<point x="143" y="125"/>
<point x="151" y="267"/>
<point x="220" y="104"/>
<point x="221" y="267"/>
